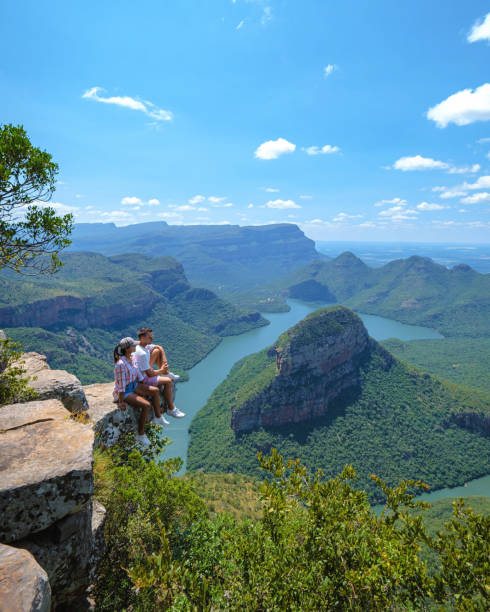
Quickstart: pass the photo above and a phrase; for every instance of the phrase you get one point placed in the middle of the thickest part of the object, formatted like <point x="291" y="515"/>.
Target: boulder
<point x="24" y="585"/>
<point x="65" y="551"/>
<point x="3" y="335"/>
<point x="56" y="384"/>
<point x="45" y="467"/>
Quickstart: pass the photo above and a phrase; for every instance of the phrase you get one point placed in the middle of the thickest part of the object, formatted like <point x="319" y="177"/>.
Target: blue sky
<point x="365" y="120"/>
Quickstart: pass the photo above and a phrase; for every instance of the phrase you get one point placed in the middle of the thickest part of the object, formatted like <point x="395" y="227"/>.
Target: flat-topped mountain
<point x="228" y="256"/>
<point x="329" y="395"/>
<point x="415" y="290"/>
<point x="77" y="316"/>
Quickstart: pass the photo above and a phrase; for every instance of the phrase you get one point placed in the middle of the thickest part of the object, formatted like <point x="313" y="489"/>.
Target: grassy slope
<point x="463" y="361"/>
<point x="395" y="428"/>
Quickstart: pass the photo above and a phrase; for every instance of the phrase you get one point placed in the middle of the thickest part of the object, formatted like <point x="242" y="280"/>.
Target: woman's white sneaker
<point x="142" y="439"/>
<point x="176" y="413"/>
<point x="161" y="420"/>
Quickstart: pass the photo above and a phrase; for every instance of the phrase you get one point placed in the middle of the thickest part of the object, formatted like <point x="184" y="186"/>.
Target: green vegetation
<point x="415" y="290"/>
<point x="316" y="545"/>
<point x="120" y="295"/>
<point x="396" y="425"/>
<point x="13" y="383"/>
<point x="30" y="242"/>
<point x="463" y="361"/>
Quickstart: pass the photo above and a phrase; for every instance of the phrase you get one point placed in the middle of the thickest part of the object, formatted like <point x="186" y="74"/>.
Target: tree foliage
<point x="31" y="233"/>
<point x="316" y="546"/>
<point x="13" y="383"/>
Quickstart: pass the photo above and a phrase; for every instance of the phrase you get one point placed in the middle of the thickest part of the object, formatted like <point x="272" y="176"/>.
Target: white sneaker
<point x="142" y="439"/>
<point x="174" y="377"/>
<point x="176" y="413"/>
<point x="161" y="420"/>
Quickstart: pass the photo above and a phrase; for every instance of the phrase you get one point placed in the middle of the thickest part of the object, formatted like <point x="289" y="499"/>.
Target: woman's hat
<point x="125" y="343"/>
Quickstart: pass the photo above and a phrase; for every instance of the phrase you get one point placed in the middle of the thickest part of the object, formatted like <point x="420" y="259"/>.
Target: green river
<point x="208" y="374"/>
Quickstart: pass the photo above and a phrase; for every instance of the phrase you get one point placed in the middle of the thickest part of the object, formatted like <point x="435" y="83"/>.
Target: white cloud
<point x="367" y="224"/>
<point x="439" y="188"/>
<point x="306" y="197"/>
<point x="169" y="215"/>
<point x="455" y="193"/>
<point x="430" y="206"/>
<point x="139" y="105"/>
<point x="399" y="213"/>
<point x="477" y="198"/>
<point x="282" y="204"/>
<point x="326" y="149"/>
<point x="250" y="206"/>
<point x="202" y="209"/>
<point x="271" y="190"/>
<point x="464" y="169"/>
<point x="397" y="201"/>
<point x="215" y="199"/>
<point x="153" y="202"/>
<point x="266" y="15"/>
<point x="117" y="216"/>
<point x="240" y="25"/>
<point x="197" y="199"/>
<point x="184" y="207"/>
<point x="483" y="140"/>
<point x="462" y="108"/>
<point x="417" y="162"/>
<point x="480" y="30"/>
<point x="463" y="210"/>
<point x="227" y="205"/>
<point x="341" y="217"/>
<point x="329" y="68"/>
<point x="60" y="208"/>
<point x="482" y="183"/>
<point x="131" y="201"/>
<point x="79" y="195"/>
<point x="272" y="149"/>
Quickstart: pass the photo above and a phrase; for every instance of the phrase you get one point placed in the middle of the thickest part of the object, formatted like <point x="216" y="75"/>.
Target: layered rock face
<point x="51" y="527"/>
<point x="317" y="361"/>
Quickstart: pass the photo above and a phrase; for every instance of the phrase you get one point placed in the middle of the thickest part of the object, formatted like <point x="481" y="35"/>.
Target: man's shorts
<point x="151" y="381"/>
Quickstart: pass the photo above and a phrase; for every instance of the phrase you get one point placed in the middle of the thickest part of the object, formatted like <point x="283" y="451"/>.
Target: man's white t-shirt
<point x="141" y="358"/>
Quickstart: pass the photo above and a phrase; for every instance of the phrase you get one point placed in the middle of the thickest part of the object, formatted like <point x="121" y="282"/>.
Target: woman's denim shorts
<point x="130" y="388"/>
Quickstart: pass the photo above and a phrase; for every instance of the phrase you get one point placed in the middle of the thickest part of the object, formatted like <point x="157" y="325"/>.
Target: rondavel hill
<point x="328" y="394"/>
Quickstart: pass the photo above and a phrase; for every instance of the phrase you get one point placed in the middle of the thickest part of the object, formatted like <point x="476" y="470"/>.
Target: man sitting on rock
<point x="160" y="377"/>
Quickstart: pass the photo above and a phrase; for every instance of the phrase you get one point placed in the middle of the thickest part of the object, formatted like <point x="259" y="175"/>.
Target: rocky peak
<point x="310" y="365"/>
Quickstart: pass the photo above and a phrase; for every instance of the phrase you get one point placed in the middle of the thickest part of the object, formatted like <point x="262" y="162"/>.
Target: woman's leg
<point x="166" y="383"/>
<point x="144" y="406"/>
<point x="152" y="392"/>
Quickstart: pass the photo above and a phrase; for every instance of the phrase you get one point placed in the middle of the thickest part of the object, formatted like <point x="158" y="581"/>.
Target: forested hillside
<point x="77" y="317"/>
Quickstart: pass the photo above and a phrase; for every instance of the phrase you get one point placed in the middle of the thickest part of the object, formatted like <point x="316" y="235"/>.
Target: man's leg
<point x="166" y="385"/>
<point x="158" y="356"/>
<point x="139" y="402"/>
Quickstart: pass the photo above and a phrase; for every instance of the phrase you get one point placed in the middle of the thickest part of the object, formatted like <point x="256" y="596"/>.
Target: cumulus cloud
<point x="399" y="213"/>
<point x="197" y="199"/>
<point x="250" y="206"/>
<point x="482" y="183"/>
<point x="272" y="149"/>
<point x="184" y="207"/>
<point x="221" y="205"/>
<point x="134" y="201"/>
<point x="305" y="197"/>
<point x="397" y="201"/>
<point x="215" y="199"/>
<point x="477" y="198"/>
<point x="341" y="217"/>
<point x="169" y="215"/>
<point x="325" y="150"/>
<point x="462" y="108"/>
<point x="464" y="169"/>
<point x="271" y="190"/>
<point x="430" y="206"/>
<point x="417" y="162"/>
<point x="452" y="193"/>
<point x="480" y="30"/>
<point x="148" y="108"/>
<point x="266" y="15"/>
<point x="282" y="204"/>
<point x="60" y="208"/>
<point x="329" y="68"/>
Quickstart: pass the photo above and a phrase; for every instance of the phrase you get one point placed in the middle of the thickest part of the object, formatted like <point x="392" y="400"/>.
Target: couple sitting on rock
<point x="136" y="380"/>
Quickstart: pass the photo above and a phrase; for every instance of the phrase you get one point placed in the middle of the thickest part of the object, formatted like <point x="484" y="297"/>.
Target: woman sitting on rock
<point x="129" y="389"/>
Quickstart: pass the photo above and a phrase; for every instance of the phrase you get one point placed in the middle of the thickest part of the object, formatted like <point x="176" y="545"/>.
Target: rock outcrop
<point x="24" y="585"/>
<point x="54" y="384"/>
<point x="316" y="361"/>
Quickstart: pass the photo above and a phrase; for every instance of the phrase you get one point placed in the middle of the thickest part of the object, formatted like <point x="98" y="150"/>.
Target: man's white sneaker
<point x="176" y="413"/>
<point x="142" y="439"/>
<point x="174" y="377"/>
<point x="161" y="420"/>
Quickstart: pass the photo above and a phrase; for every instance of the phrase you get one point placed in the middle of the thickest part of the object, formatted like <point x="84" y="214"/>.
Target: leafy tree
<point x="13" y="385"/>
<point x="31" y="235"/>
